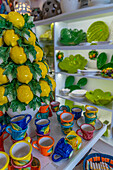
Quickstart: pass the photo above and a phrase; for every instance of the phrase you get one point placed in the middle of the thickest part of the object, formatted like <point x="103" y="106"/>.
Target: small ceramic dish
<point x="76" y="97"/>
<point x="64" y="92"/>
<point x="98" y="125"/>
<point x="79" y="93"/>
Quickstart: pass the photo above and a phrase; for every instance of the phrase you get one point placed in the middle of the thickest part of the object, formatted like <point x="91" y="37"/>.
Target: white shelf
<point x="83" y="47"/>
<point x="85" y="101"/>
<point x="86" y="76"/>
<point x="68" y="164"/>
<point x="84" y="12"/>
<point x="107" y="140"/>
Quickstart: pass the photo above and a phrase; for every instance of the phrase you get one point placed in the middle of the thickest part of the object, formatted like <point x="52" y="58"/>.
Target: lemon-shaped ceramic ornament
<point x="3" y="78"/>
<point x="45" y="88"/>
<point x="43" y="68"/>
<point x="10" y="38"/>
<point x="3" y="99"/>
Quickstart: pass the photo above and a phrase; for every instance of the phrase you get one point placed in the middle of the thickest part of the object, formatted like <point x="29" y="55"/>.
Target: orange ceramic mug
<point x="44" y="145"/>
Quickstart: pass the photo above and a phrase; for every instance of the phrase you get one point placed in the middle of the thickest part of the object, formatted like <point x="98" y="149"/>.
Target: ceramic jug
<point x="69" y="5"/>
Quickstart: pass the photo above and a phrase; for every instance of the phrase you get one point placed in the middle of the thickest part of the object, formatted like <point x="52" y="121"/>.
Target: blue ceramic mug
<point x="2" y="128"/>
<point x="20" y="122"/>
<point x="42" y="126"/>
<point x="58" y="113"/>
<point x="62" y="150"/>
<point x="16" y="135"/>
<point x="42" y="115"/>
<point x="65" y="107"/>
<point x="76" y="112"/>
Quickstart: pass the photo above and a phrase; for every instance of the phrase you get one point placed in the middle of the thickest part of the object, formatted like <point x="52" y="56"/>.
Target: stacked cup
<point x="4" y="160"/>
<point x="18" y="127"/>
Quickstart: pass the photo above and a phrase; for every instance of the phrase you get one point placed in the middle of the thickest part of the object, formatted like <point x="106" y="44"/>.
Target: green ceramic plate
<point x="98" y="31"/>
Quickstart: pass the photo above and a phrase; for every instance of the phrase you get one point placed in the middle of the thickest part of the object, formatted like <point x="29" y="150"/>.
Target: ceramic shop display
<point x="44" y="145"/>
<point x="66" y="118"/>
<point x="64" y="107"/>
<point x="51" y="8"/>
<point x="42" y="126"/>
<point x="4" y="160"/>
<point x="55" y="106"/>
<point x="66" y="128"/>
<point x="86" y="131"/>
<point x="62" y="150"/>
<point x="76" y="112"/>
<point x="69" y="5"/>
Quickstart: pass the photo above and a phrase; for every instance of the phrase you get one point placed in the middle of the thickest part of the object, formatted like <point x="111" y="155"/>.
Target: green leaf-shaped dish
<point x="98" y="31"/>
<point x="99" y="97"/>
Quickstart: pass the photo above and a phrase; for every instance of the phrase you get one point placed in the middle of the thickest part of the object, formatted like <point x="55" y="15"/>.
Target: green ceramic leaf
<point x="107" y="65"/>
<point x="101" y="60"/>
<point x="82" y="82"/>
<point x="69" y="81"/>
<point x="98" y="31"/>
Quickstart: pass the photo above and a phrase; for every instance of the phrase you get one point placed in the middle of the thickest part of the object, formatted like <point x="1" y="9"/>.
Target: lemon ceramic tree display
<point x="23" y="69"/>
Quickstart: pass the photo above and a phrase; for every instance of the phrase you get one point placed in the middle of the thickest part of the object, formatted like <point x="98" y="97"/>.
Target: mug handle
<point x="29" y="117"/>
<point x="28" y="139"/>
<point x="34" y="145"/>
<point x="38" y="115"/>
<point x="7" y="135"/>
<point x="79" y="130"/>
<point x="8" y="130"/>
<point x="58" y="159"/>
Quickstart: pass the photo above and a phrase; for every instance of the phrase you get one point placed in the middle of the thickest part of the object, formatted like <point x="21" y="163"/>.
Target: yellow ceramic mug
<point x="20" y="152"/>
<point x="4" y="160"/>
<point x="91" y="109"/>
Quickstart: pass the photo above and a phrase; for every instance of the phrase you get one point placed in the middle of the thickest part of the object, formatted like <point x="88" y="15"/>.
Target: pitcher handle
<point x="79" y="130"/>
<point x="7" y="135"/>
<point x="28" y="118"/>
<point x="56" y="159"/>
<point x="34" y="145"/>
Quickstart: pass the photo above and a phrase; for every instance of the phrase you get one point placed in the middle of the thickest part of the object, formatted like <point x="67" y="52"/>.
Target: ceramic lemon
<point x="45" y="88"/>
<point x="3" y="99"/>
<point x="3" y="78"/>
<point x="10" y="38"/>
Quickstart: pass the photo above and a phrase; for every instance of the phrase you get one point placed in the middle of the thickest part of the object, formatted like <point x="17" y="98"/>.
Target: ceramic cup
<point x="67" y="128"/>
<point x="65" y="107"/>
<point x="42" y="126"/>
<point x="44" y="145"/>
<point x="2" y="138"/>
<point x="16" y="135"/>
<point x="4" y="160"/>
<point x="39" y="135"/>
<point x="43" y="108"/>
<point x="55" y="106"/>
<point x="42" y="115"/>
<point x="58" y="115"/>
<point x="90" y="118"/>
<point x="86" y="131"/>
<point x="20" y="152"/>
<point x="76" y="112"/>
<point x="62" y="150"/>
<point x="2" y="128"/>
<point x="66" y="118"/>
<point x="36" y="164"/>
<point x="91" y="109"/>
<point x="28" y="165"/>
<point x="20" y="122"/>
<point x="14" y="141"/>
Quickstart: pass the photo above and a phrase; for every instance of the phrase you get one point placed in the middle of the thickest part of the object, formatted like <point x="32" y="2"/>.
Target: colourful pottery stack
<point x="4" y="160"/>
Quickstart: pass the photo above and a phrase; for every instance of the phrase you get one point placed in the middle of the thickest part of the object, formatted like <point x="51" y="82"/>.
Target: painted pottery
<point x="36" y="164"/>
<point x="16" y="135"/>
<point x="4" y="160"/>
<point x="55" y="106"/>
<point x="20" y="122"/>
<point x="2" y="138"/>
<point x="14" y="141"/>
<point x="42" y="115"/>
<point x="39" y="135"/>
<point x="74" y="140"/>
<point x="20" y="152"/>
<point x="91" y="109"/>
<point x="58" y="115"/>
<point x="44" y="108"/>
<point x="86" y="131"/>
<point x="90" y="118"/>
<point x="62" y="150"/>
<point x="76" y="112"/>
<point x="67" y="128"/>
<point x="2" y="128"/>
<point x="42" y="126"/>
<point x="66" y="118"/>
<point x="44" y="145"/>
<point x="64" y="107"/>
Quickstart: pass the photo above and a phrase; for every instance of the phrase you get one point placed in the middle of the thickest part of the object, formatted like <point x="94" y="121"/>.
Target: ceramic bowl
<point x="79" y="93"/>
<point x="64" y="92"/>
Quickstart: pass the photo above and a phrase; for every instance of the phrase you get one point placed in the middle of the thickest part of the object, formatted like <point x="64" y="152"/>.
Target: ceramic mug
<point x="20" y="152"/>
<point x="76" y="112"/>
<point x="2" y="128"/>
<point x="90" y="118"/>
<point x="16" y="135"/>
<point x="20" y="122"/>
<point x="39" y="135"/>
<point x="62" y="150"/>
<point x="67" y="128"/>
<point x="64" y="107"/>
<point x="55" y="106"/>
<point x="4" y="160"/>
<point x="91" y="109"/>
<point x="36" y="164"/>
<point x="28" y="165"/>
<point x="42" y="126"/>
<point x="58" y="115"/>
<point x="2" y="138"/>
<point x="66" y="118"/>
<point x="14" y="141"/>
<point x="86" y="131"/>
<point x="43" y="108"/>
<point x="44" y="145"/>
<point x="42" y="115"/>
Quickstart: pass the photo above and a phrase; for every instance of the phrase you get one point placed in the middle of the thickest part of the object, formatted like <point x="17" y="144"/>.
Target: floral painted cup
<point x="42" y="126"/>
<point x="86" y="131"/>
<point x="63" y="150"/>
<point x="2" y="138"/>
<point x="14" y="141"/>
<point x="39" y="135"/>
<point x="42" y="115"/>
<point x="76" y="112"/>
<point x="16" y="135"/>
<point x="65" y="107"/>
<point x="43" y="108"/>
<point x="20" y="152"/>
<point x="44" y="145"/>
<point x="4" y="160"/>
<point x="91" y="109"/>
<point x="55" y="106"/>
<point x="67" y="128"/>
<point x="20" y="122"/>
<point x="66" y="118"/>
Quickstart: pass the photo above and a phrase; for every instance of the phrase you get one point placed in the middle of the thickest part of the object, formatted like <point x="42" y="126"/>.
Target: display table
<point x="56" y="133"/>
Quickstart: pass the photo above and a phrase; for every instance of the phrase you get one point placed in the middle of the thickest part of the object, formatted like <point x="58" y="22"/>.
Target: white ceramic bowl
<point x="64" y="92"/>
<point x="79" y="93"/>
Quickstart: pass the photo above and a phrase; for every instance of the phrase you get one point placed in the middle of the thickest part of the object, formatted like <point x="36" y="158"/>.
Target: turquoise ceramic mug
<point x="42" y="115"/>
<point x="58" y="115"/>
